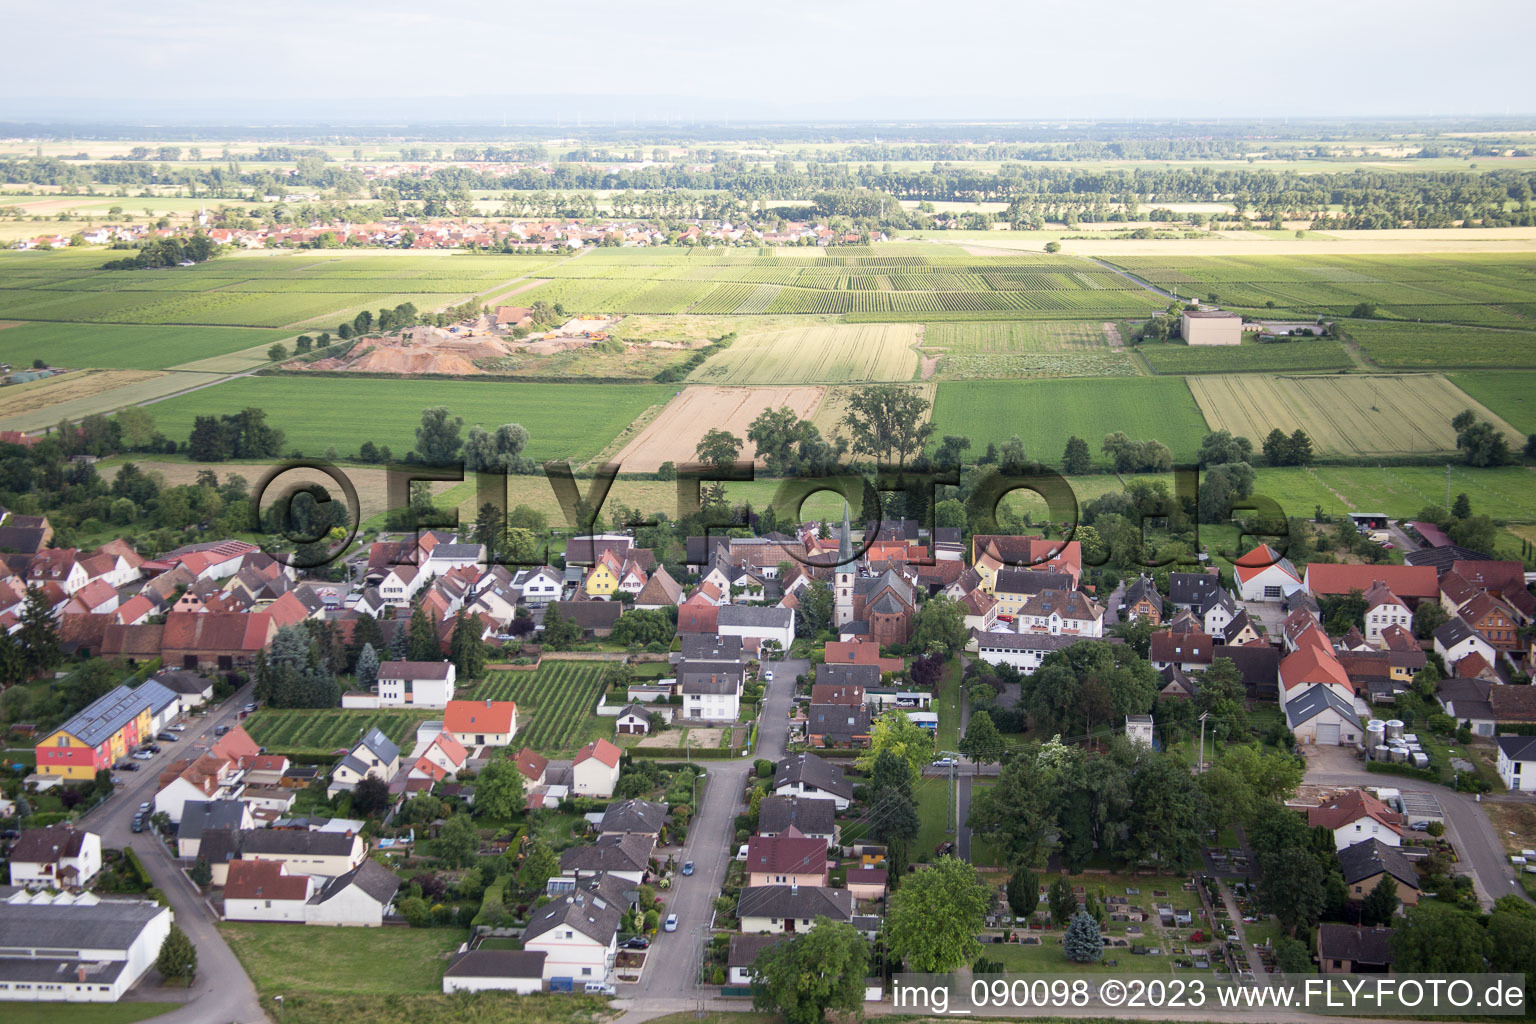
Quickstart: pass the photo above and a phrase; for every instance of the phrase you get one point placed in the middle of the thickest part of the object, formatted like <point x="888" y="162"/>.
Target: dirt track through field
<point x="674" y="435"/>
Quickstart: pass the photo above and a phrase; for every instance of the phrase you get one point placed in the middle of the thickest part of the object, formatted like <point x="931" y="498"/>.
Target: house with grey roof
<point x="578" y="934"/>
<point x="360" y="898"/>
<point x="375" y="756"/>
<point x="641" y="817"/>
<point x="814" y="818"/>
<point x="758" y="622"/>
<point x="625" y="855"/>
<point x="806" y="775"/>
<point x="791" y="908"/>
<point x="197" y="816"/>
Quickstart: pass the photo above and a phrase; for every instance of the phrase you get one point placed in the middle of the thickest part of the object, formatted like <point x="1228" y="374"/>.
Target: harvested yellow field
<point x="75" y="395"/>
<point x="674" y="435"/>
<point x="823" y="354"/>
<point x="1344" y="414"/>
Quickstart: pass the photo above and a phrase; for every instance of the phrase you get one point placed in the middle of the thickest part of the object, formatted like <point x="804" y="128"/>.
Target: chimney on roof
<point x="80" y="973"/>
<point x="794" y="885"/>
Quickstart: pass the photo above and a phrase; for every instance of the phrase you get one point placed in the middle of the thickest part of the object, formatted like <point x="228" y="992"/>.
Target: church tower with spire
<point x="842" y="588"/>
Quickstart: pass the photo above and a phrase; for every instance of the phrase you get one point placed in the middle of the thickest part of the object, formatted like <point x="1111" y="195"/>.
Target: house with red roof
<point x="1313" y="663"/>
<point x="443" y="757"/>
<point x="1264" y="574"/>
<point x="481" y="723"/>
<point x="1384" y="609"/>
<point x="595" y="771"/>
<point x="1355" y="817"/>
<point x="263" y="890"/>
<point x="789" y="858"/>
<point x="214" y="640"/>
<point x="95" y="598"/>
<point x="1412" y="583"/>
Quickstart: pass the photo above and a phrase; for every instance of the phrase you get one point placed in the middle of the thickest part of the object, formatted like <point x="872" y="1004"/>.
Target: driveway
<point x="1467" y="827"/>
<point x="221" y="991"/>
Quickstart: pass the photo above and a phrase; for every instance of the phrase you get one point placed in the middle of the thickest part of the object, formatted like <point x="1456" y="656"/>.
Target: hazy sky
<point x="806" y="58"/>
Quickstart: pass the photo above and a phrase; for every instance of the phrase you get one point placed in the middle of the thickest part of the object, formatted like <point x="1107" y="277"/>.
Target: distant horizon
<point x="815" y="60"/>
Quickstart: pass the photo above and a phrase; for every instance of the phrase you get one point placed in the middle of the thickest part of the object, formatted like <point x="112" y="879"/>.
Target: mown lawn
<point x="84" y="1013"/>
<point x="298" y="959"/>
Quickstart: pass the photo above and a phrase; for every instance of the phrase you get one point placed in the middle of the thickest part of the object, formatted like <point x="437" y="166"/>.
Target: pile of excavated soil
<point x="414" y="360"/>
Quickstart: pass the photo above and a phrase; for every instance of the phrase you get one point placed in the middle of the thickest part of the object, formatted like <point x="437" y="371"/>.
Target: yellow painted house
<point x="105" y="732"/>
<point x="603" y="580"/>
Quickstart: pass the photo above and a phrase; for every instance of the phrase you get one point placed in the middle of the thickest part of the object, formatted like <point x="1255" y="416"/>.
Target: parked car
<point x="768" y="676"/>
<point x="154" y="748"/>
<point x="144" y="807"/>
<point x="638" y="942"/>
<point x="1420" y="826"/>
<point x="600" y="988"/>
<point x="138" y="824"/>
<point x="688" y="867"/>
<point x="250" y="707"/>
<point x="222" y="730"/>
<point x="129" y="766"/>
<point x="671" y="924"/>
<point x="167" y="737"/>
<point x="945" y="762"/>
<point x="179" y="727"/>
<point x="143" y="755"/>
<point x="118" y="780"/>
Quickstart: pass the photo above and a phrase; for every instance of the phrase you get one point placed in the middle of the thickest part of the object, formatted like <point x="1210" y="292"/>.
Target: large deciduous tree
<point x="888" y="422"/>
<point x="821" y="970"/>
<point x="934" y="918"/>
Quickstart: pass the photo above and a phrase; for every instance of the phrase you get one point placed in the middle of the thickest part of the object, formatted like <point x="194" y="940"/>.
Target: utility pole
<point x="1203" y="716"/>
<point x="1447" y="488"/>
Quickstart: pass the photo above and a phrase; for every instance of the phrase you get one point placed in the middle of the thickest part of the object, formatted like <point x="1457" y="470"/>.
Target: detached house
<point x="578" y="935"/>
<point x="1517" y="763"/>
<point x="263" y="890"/>
<point x="1383" y="610"/>
<point x="1355" y="817"/>
<point x="806" y="775"/>
<point x="55" y="857"/>
<point x="1263" y="574"/>
<point x="487" y="723"/>
<point x="1142" y="601"/>
<point x="1364" y="864"/>
<point x="375" y="756"/>
<point x="595" y="771"/>
<point x="791" y="908"/>
<point x="421" y="684"/>
<point x="789" y="858"/>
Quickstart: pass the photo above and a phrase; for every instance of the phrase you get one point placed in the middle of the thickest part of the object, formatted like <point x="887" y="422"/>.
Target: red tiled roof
<point x="530" y="764"/>
<point x="263" y="880"/>
<point x="216" y="631"/>
<point x="1353" y="806"/>
<point x="482" y="716"/>
<point x="1406" y="581"/>
<point x="604" y="751"/>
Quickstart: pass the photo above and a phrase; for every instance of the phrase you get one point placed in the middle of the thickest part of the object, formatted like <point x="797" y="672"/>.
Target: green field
<point x="294" y="958"/>
<point x="255" y="289"/>
<point x="1026" y="336"/>
<point x="1510" y="394"/>
<point x="1493" y="290"/>
<point x="573" y="421"/>
<point x="125" y="347"/>
<point x="1507" y="493"/>
<point x="851" y="279"/>
<point x="318" y="732"/>
<point x="821" y="354"/>
<point x="554" y="704"/>
<point x="1321" y="354"/>
<point x="1434" y="346"/>
<point x="1344" y="414"/>
<point x="85" y="1013"/>
<point x="1044" y="413"/>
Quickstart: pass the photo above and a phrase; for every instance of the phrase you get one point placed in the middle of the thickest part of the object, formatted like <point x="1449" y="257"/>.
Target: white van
<point x="600" y="988"/>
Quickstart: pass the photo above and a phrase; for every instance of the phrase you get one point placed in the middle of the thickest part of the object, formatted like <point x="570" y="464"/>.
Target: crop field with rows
<point x="555" y="703"/>
<point x="1318" y="354"/>
<point x="318" y="732"/>
<point x="829" y="354"/>
<point x="1491" y="290"/>
<point x="1437" y="347"/>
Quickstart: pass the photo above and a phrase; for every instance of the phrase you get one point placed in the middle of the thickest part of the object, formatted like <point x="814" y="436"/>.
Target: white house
<point x="496" y="970"/>
<point x="791" y="908"/>
<point x="481" y="723"/>
<point x="56" y="857"/>
<point x="1383" y="610"/>
<point x="1517" y="763"/>
<point x="97" y="949"/>
<point x="1355" y="817"/>
<point x="809" y="776"/>
<point x="420" y="684"/>
<point x="595" y="771"/>
<point x="1138" y="729"/>
<point x="263" y="890"/>
<point x="756" y="621"/>
<point x="1024" y="651"/>
<point x="1061" y="613"/>
<point x="1263" y="574"/>
<point x="444" y="558"/>
<point x="1211" y="327"/>
<point x="1457" y="640"/>
<point x="634" y="720"/>
<point x="401" y="584"/>
<point x="578" y="935"/>
<point x="712" y="693"/>
<point x="538" y="587"/>
<point x="360" y="898"/>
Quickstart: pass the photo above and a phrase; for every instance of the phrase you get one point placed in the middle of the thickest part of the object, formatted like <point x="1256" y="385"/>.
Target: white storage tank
<point x="1381" y="752"/>
<point x="1394" y="729"/>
